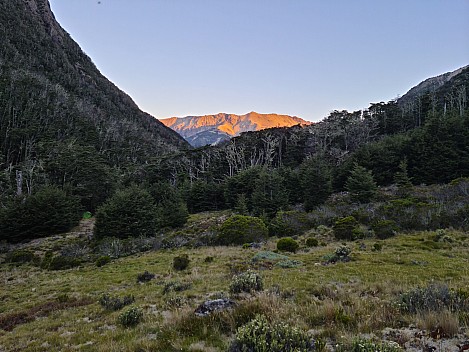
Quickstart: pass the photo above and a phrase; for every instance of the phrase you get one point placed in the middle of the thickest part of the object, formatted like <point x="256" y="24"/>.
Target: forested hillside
<point x="59" y="116"/>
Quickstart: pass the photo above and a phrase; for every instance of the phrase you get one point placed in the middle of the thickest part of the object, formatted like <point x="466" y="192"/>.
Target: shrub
<point x="246" y="282"/>
<point x="145" y="276"/>
<point x="176" y="286"/>
<point x="113" y="303"/>
<point x="287" y="244"/>
<point x="289" y="263"/>
<point x="131" y="317"/>
<point x="60" y="262"/>
<point x="312" y="242"/>
<point x="128" y="213"/>
<point x="20" y="256"/>
<point x="209" y="259"/>
<point x="344" y="227"/>
<point x="268" y="256"/>
<point x="377" y="247"/>
<point x="181" y="262"/>
<point x="361" y="345"/>
<point x="103" y="260"/>
<point x="384" y="229"/>
<point x="259" y="335"/>
<point x="241" y="229"/>
<point x="341" y="254"/>
<point x="293" y="223"/>
<point x="435" y="297"/>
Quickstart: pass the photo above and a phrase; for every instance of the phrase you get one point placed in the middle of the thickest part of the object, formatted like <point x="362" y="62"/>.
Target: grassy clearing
<point x="336" y="302"/>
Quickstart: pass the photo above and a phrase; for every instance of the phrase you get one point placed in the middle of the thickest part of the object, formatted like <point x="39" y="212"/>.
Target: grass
<point x="343" y="299"/>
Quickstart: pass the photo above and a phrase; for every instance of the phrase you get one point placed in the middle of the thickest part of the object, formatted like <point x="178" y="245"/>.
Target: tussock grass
<point x="336" y="301"/>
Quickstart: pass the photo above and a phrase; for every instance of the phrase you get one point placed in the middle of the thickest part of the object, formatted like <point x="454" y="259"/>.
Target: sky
<point x="297" y="57"/>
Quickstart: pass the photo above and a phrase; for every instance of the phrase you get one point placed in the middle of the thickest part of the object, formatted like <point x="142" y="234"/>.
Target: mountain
<point x="213" y="129"/>
<point x="433" y="86"/>
<point x="52" y="95"/>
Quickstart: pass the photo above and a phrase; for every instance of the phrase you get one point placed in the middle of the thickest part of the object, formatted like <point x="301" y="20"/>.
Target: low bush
<point x="21" y="256"/>
<point x="384" y="229"/>
<point x="343" y="228"/>
<point x="176" y="286"/>
<point x="435" y="297"/>
<point x="209" y="259"/>
<point x="341" y="254"/>
<point x="248" y="281"/>
<point x="289" y="263"/>
<point x="293" y="223"/>
<point x="260" y="335"/>
<point x="60" y="262"/>
<point x="113" y="303"/>
<point x="377" y="247"/>
<point x="312" y="242"/>
<point x="103" y="260"/>
<point x="240" y="229"/>
<point x="145" y="276"/>
<point x="131" y="317"/>
<point x="287" y="244"/>
<point x="360" y="345"/>
<point x="181" y="262"/>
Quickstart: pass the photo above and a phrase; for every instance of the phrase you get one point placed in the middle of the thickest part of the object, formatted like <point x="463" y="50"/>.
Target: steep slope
<point x="52" y="93"/>
<point x="434" y="86"/>
<point x="212" y="129"/>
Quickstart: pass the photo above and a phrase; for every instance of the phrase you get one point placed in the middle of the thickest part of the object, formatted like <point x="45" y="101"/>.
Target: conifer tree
<point x="361" y="185"/>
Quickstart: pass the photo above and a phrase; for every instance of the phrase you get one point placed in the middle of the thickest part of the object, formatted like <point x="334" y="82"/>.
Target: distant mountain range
<point x="213" y="129"/>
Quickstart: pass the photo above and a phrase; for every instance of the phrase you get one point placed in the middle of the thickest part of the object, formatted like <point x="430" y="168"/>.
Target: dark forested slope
<point x="51" y="94"/>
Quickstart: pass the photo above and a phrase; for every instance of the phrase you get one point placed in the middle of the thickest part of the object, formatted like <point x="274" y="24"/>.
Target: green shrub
<point x="341" y="254"/>
<point x="435" y="297"/>
<point x="20" y="256"/>
<point x="287" y="244"/>
<point x="103" y="260"/>
<point x="176" y="286"/>
<point x="241" y="229"/>
<point x="145" y="277"/>
<point x="59" y="262"/>
<point x="289" y="263"/>
<point x="377" y="247"/>
<point x="344" y="228"/>
<point x="131" y="317"/>
<point x="181" y="262"/>
<point x="361" y="345"/>
<point x="312" y="242"/>
<point x="209" y="259"/>
<point x="87" y="215"/>
<point x="128" y="213"/>
<point x="268" y="256"/>
<point x="259" y="335"/>
<point x="248" y="281"/>
<point x="113" y="303"/>
<point x="384" y="229"/>
<point x="293" y="223"/>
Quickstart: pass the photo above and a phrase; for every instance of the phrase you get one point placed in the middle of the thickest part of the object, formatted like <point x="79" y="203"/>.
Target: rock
<point x="208" y="307"/>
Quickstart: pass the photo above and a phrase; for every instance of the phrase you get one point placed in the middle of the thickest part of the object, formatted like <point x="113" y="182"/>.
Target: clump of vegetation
<point x="113" y="303"/>
<point x="209" y="259"/>
<point x="442" y="236"/>
<point x="103" y="260"/>
<point x="131" y="317"/>
<point x="59" y="262"/>
<point x="344" y="228"/>
<point x="248" y="281"/>
<point x="260" y="335"/>
<point x="361" y="185"/>
<point x="176" y="286"/>
<point x="434" y="297"/>
<point x="293" y="223"/>
<point x="384" y="228"/>
<point x="145" y="276"/>
<point x="181" y="262"/>
<point x="241" y="229"/>
<point x="377" y="247"/>
<point x="287" y="244"/>
<point x="289" y="263"/>
<point x="128" y="213"/>
<point x="21" y="256"/>
<point x="361" y="345"/>
<point x="341" y="254"/>
<point x="312" y="242"/>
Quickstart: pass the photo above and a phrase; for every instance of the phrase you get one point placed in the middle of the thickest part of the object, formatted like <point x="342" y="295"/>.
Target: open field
<point x="59" y="310"/>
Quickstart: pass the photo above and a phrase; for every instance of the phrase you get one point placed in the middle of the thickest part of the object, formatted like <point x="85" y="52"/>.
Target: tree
<point x="402" y="179"/>
<point x="129" y="212"/>
<point x="47" y="212"/>
<point x="361" y="185"/>
<point x="316" y="183"/>
<point x="270" y="194"/>
<point x="171" y="208"/>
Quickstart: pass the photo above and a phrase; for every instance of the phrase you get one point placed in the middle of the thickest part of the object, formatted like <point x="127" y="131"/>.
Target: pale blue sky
<point x="296" y="57"/>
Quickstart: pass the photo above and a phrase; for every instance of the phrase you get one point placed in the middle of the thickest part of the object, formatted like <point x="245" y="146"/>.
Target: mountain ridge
<point x="213" y="129"/>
